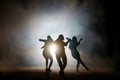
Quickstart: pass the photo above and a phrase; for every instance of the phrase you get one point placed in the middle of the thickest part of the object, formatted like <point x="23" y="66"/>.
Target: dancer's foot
<point x="49" y="70"/>
<point x="61" y="72"/>
<point x="77" y="70"/>
<point x="46" y="69"/>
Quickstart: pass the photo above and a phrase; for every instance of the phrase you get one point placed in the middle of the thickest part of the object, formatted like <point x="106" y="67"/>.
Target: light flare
<point x="52" y="50"/>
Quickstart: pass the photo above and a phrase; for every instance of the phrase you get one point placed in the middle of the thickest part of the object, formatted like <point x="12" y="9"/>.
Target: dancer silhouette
<point x="46" y="52"/>
<point x="75" y="54"/>
<point x="60" y="53"/>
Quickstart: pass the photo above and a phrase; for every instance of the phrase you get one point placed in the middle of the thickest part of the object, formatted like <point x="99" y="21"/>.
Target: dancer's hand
<point x="68" y="38"/>
<point x="40" y="39"/>
<point x="81" y="39"/>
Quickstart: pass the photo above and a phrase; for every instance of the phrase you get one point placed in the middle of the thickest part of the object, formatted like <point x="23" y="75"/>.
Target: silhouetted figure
<point x="60" y="53"/>
<point x="46" y="52"/>
<point x="75" y="54"/>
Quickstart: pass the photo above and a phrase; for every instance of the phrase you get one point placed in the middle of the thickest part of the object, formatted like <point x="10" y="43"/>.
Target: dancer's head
<point x="61" y="37"/>
<point x="74" y="38"/>
<point x="48" y="37"/>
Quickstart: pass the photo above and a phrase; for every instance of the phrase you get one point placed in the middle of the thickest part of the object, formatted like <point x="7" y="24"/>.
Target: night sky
<point x="23" y="22"/>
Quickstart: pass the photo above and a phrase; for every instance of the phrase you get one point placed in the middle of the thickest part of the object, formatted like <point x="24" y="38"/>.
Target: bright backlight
<point x="52" y="50"/>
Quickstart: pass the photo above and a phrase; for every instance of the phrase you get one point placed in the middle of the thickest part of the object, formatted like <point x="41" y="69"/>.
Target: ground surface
<point x="54" y="75"/>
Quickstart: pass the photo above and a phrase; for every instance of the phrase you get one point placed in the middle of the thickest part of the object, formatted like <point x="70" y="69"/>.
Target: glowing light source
<point x="52" y="50"/>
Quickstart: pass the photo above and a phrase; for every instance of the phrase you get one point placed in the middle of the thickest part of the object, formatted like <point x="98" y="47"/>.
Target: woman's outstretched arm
<point x="43" y="40"/>
<point x="68" y="40"/>
<point x="80" y="41"/>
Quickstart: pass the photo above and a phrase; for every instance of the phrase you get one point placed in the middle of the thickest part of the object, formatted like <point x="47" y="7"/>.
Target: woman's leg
<point x="46" y="64"/>
<point x="83" y="64"/>
<point x="64" y="58"/>
<point x="59" y="63"/>
<point x="77" y="66"/>
<point x="51" y="62"/>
